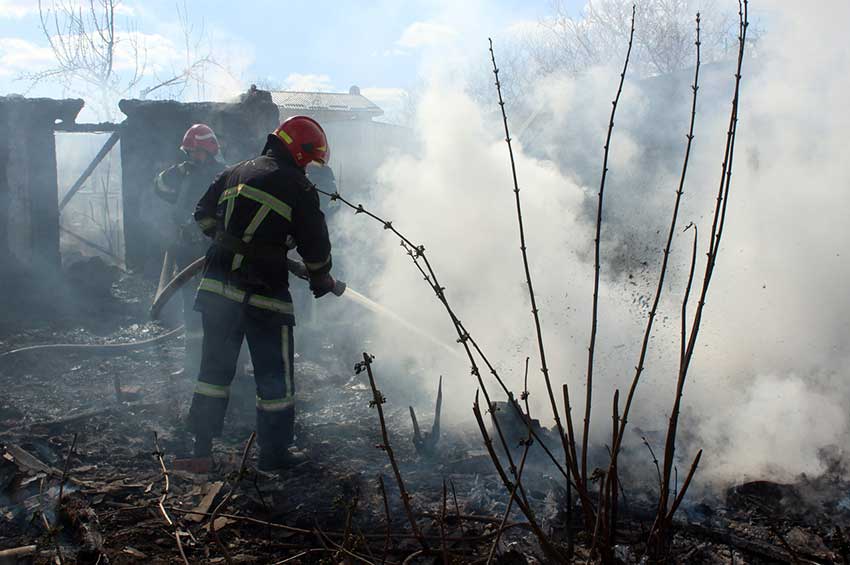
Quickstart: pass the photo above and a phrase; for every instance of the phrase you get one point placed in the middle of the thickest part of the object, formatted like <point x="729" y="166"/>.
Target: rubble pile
<point x="89" y="441"/>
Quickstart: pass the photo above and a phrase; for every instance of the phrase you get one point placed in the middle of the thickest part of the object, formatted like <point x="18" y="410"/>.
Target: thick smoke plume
<point x="768" y="381"/>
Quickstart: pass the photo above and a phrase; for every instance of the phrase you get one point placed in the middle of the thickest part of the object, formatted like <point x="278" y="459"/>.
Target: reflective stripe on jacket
<point x="262" y="202"/>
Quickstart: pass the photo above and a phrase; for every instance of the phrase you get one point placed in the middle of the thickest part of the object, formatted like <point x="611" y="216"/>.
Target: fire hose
<point x="169" y="290"/>
<point x="96" y="348"/>
<point x="162" y="297"/>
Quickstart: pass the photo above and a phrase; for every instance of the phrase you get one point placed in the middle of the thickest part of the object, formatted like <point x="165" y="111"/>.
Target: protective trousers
<point x="271" y="347"/>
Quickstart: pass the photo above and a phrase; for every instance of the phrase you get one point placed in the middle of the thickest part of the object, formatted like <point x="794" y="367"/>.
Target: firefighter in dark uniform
<point x="256" y="211"/>
<point x="182" y="185"/>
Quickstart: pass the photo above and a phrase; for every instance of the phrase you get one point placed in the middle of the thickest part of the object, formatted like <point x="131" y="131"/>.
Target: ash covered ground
<point x="327" y="510"/>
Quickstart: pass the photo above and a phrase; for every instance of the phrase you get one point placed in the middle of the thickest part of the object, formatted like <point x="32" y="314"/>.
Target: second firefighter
<point x="181" y="185"/>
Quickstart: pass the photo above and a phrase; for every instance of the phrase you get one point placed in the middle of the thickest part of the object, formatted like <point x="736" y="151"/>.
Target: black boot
<point x="201" y="460"/>
<point x="203" y="446"/>
<point x="280" y="459"/>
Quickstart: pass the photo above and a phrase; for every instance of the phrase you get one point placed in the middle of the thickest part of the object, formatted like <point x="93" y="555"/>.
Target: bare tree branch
<point x="88" y="42"/>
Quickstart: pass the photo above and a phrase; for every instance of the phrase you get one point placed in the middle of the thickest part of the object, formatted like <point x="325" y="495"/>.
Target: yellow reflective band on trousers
<point x="238" y="295"/>
<point x="249" y="233"/>
<point x="281" y="208"/>
<point x="275" y="404"/>
<point x="213" y="391"/>
<point x="278" y="404"/>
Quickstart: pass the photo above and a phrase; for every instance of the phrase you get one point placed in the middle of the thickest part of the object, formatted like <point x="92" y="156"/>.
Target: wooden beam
<point x="12" y="555"/>
<point x="72" y="127"/>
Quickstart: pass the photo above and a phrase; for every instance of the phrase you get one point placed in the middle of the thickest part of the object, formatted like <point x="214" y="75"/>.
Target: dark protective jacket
<point x="255" y="211"/>
<point x="182" y="185"/>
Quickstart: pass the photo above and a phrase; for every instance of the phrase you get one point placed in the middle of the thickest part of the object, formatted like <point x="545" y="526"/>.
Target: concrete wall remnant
<point x="29" y="210"/>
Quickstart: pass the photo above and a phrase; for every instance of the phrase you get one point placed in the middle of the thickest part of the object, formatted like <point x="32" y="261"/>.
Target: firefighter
<point x="181" y="186"/>
<point x="255" y="212"/>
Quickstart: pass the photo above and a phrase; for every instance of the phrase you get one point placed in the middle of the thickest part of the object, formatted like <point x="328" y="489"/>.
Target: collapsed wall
<point x="150" y="141"/>
<point x="29" y="208"/>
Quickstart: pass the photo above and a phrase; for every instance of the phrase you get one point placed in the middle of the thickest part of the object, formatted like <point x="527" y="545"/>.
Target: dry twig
<point x="691" y="271"/>
<point x="545" y="543"/>
<point x="166" y="488"/>
<point x="65" y="469"/>
<point x="715" y="237"/>
<point x="666" y="254"/>
<point x="339" y="548"/>
<point x="377" y="402"/>
<point x="457" y="508"/>
<point x="522" y="245"/>
<point x="243" y="465"/>
<point x="383" y="490"/>
<point x="526" y="446"/>
<point x="51" y="530"/>
<point x="597" y="243"/>
<point x="613" y="477"/>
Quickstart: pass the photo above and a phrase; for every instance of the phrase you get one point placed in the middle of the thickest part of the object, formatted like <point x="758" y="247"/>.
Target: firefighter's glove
<point x="322" y="284"/>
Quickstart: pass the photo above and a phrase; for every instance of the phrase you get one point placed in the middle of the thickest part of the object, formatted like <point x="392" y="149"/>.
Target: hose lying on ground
<point x="164" y="293"/>
<point x="97" y="348"/>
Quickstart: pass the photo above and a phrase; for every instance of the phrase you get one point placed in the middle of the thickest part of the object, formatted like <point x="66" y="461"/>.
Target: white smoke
<point x="775" y="428"/>
<point x="768" y="378"/>
<point x="779" y="315"/>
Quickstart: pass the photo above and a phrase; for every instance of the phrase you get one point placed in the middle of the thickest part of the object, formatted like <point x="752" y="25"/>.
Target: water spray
<point x="387" y="313"/>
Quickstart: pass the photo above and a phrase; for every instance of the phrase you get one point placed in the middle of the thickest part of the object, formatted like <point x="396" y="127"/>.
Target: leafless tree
<point x="103" y="58"/>
<point x="85" y="43"/>
<point x="197" y="59"/>
<point x="565" y="42"/>
<point x="663" y="40"/>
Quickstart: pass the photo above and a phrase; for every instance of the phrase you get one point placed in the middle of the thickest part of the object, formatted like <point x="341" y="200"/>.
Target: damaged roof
<point x="352" y="103"/>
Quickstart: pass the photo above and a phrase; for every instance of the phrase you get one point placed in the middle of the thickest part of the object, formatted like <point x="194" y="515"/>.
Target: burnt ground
<point x="326" y="510"/>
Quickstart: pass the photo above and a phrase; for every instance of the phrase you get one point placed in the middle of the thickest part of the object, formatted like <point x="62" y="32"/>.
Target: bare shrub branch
<point x="595" y="312"/>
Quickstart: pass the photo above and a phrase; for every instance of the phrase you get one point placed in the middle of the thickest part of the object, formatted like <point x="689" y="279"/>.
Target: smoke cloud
<point x="768" y="380"/>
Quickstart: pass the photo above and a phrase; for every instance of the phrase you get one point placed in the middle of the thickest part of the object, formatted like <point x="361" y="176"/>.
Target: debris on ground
<point x="81" y="477"/>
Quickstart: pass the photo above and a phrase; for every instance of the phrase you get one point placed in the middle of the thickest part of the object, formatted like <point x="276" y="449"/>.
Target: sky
<point x="320" y="45"/>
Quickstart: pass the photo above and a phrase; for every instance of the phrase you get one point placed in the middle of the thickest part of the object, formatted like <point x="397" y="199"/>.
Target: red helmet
<point x="201" y="137"/>
<point x="305" y="139"/>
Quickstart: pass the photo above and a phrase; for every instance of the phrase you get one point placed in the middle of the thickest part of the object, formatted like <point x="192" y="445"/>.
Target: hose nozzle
<point x="300" y="270"/>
